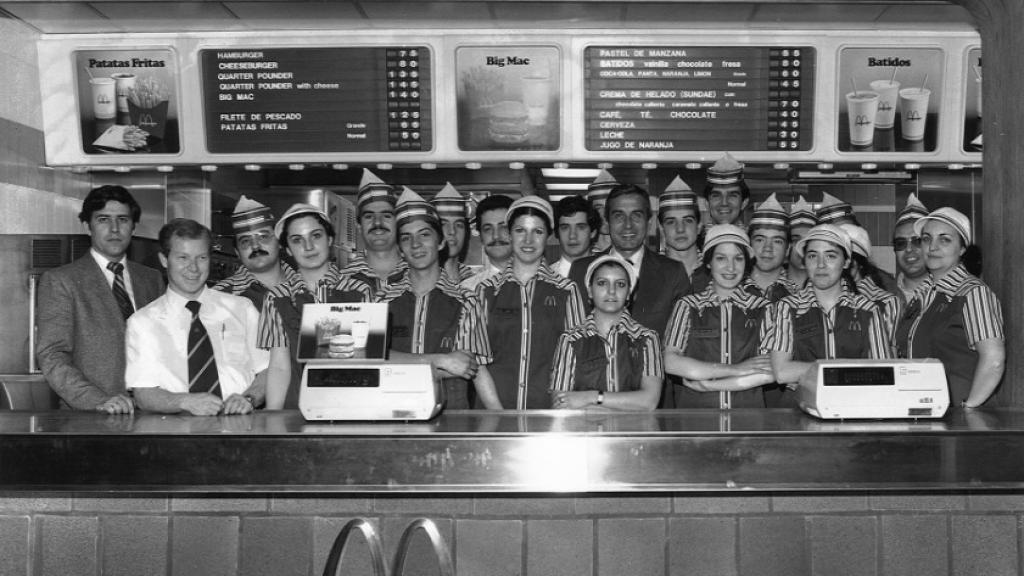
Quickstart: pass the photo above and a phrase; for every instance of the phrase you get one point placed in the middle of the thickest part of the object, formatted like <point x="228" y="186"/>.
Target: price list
<point x="281" y="100"/>
<point x="664" y="98"/>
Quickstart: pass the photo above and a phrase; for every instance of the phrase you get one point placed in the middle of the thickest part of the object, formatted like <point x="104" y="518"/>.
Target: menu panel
<point x="279" y="100"/>
<point x="667" y="98"/>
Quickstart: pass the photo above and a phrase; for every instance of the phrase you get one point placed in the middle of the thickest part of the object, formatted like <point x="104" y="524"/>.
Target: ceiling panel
<point x="935" y="14"/>
<point x="170" y="16"/>
<point x="682" y="14"/>
<point x="437" y="14"/>
<point x="297" y="15"/>
<point x="61" y="17"/>
<point x="543" y="14"/>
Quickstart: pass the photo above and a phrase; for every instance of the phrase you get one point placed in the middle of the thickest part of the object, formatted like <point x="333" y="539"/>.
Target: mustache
<point x="258" y="252"/>
<point x="493" y="243"/>
<point x="381" y="228"/>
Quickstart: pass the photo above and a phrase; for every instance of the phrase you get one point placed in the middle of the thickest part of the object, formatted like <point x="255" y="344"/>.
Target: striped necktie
<point x="202" y="367"/>
<point x="120" y="292"/>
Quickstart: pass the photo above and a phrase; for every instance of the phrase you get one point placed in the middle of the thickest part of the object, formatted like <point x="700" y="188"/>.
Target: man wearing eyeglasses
<point x="259" y="252"/>
<point x="910" y="265"/>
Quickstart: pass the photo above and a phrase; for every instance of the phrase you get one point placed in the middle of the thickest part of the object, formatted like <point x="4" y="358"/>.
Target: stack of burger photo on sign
<point x="508" y="98"/>
<point x="126" y="101"/>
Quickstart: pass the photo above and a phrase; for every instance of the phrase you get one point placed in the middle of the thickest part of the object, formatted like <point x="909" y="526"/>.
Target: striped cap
<point x="601" y="186"/>
<point x="607" y="259"/>
<point x="770" y="214"/>
<point x="827" y="233"/>
<point x="725" y="233"/>
<point x="449" y="202"/>
<point x="801" y="214"/>
<point x="250" y="215"/>
<point x="372" y="188"/>
<point x="411" y="206"/>
<point x="859" y="239"/>
<point x="531" y="201"/>
<point x="298" y="210"/>
<point x="954" y="218"/>
<point x="726" y="170"/>
<point x="677" y="195"/>
<point x="832" y="210"/>
<point x="912" y="211"/>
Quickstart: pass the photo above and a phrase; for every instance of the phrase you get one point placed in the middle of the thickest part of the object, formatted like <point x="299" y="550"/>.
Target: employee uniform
<point x="80" y="344"/>
<point x="777" y="290"/>
<point x="156" y="342"/>
<point x="359" y="269"/>
<point x="585" y="360"/>
<point x="800" y="326"/>
<point x="446" y="319"/>
<point x="281" y="317"/>
<point x="524" y="322"/>
<point x="707" y="328"/>
<point x="945" y="320"/>
<point x="244" y="283"/>
<point x="888" y="304"/>
<point x="699" y="279"/>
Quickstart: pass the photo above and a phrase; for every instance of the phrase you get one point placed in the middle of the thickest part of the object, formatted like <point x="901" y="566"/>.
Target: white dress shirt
<point x="156" y="342"/>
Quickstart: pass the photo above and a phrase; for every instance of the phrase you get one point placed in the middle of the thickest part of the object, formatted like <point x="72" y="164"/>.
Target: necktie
<point x="202" y="368"/>
<point x="120" y="292"/>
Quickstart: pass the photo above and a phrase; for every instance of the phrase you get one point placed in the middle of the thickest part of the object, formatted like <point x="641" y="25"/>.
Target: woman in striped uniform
<point x="610" y="360"/>
<point x="953" y="315"/>
<point x="713" y="337"/>
<point x="826" y="319"/>
<point x="527" y="306"/>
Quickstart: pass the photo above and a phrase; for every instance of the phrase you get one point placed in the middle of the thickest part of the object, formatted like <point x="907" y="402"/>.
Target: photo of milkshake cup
<point x="123" y="83"/>
<point x="360" y="332"/>
<point x="913" y="112"/>
<point x="861" y="109"/>
<point x="888" y="94"/>
<point x="104" y="98"/>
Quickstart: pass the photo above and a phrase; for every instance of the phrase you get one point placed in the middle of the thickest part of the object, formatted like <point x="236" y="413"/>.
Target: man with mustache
<point x="910" y="263"/>
<point x="83" y="307"/>
<point x="490" y="224"/>
<point x="380" y="263"/>
<point x="258" y="250"/>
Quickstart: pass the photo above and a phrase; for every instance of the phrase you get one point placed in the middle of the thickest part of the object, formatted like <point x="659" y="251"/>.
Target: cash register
<point x="878" y="389"/>
<point x="347" y="376"/>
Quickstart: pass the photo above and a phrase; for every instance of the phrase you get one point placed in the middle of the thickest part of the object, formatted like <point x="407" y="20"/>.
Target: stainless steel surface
<point x="528" y="452"/>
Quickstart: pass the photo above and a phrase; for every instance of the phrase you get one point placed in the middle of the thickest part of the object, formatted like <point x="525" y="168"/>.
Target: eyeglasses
<point x="250" y="240"/>
<point x="901" y="244"/>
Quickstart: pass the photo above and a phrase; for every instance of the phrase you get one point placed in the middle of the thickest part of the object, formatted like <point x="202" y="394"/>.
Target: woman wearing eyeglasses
<point x="953" y="315"/>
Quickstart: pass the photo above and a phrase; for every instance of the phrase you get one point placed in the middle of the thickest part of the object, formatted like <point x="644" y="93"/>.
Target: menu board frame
<point x="972" y="110"/>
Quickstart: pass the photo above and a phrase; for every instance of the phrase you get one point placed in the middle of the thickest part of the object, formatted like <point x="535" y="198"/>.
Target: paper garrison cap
<point x="372" y="188"/>
<point x="411" y="206"/>
<point x="912" y="211"/>
<point x="801" y="214"/>
<point x="677" y="195"/>
<point x="449" y="202"/>
<point x="832" y="210"/>
<point x="770" y="214"/>
<point x="601" y="186"/>
<point x="250" y="215"/>
<point x="726" y="170"/>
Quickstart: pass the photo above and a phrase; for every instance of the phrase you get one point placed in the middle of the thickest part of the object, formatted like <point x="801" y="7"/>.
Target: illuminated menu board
<point x="667" y="98"/>
<point x="371" y="99"/>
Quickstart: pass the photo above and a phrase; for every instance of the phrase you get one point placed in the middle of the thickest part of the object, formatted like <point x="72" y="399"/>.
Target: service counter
<point x="748" y="493"/>
<point x="510" y="451"/>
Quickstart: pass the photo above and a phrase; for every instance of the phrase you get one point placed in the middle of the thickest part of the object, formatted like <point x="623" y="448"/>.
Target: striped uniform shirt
<point x="465" y="273"/>
<point x="273" y="330"/>
<point x="800" y="326"/>
<point x="243" y="282"/>
<point x="427" y="333"/>
<point x="524" y="322"/>
<point x="777" y="290"/>
<point x="946" y="319"/>
<point x="360" y="269"/>
<point x="888" y="304"/>
<point x="585" y="360"/>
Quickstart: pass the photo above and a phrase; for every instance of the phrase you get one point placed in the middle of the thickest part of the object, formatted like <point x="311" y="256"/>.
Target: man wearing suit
<point x="661" y="280"/>
<point x="83" y="307"/>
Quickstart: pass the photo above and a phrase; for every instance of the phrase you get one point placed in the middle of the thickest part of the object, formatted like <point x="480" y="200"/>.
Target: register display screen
<point x="666" y="98"/>
<point x="859" y="376"/>
<point x="342" y="378"/>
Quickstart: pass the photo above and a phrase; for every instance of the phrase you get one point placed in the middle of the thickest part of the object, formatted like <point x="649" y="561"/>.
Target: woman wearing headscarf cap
<point x="526" y="307"/>
<point x="712" y="337"/>
<point x="826" y="319"/>
<point x="610" y="360"/>
<point x="953" y="315"/>
<point x="871" y="281"/>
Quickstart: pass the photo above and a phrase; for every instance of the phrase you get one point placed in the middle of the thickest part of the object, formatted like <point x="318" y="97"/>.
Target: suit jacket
<point x="80" y="343"/>
<point x="662" y="281"/>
